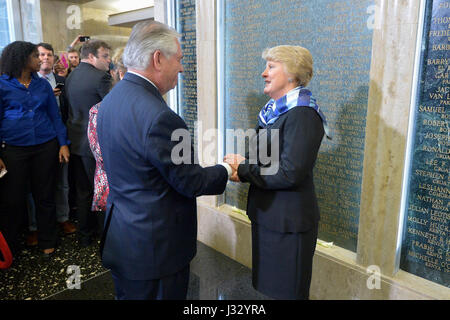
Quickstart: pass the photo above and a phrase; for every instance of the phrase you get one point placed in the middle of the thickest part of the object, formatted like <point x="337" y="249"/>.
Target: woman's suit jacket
<point x="286" y="201"/>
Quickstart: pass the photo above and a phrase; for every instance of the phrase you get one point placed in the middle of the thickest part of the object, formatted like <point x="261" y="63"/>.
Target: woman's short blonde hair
<point x="297" y="61"/>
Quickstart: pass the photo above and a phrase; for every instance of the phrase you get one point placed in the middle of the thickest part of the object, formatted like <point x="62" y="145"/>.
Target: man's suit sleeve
<point x="189" y="179"/>
<point x="302" y="134"/>
<point x="104" y="85"/>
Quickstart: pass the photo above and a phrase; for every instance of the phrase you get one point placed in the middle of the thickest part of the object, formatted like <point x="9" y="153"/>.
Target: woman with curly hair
<point x="32" y="138"/>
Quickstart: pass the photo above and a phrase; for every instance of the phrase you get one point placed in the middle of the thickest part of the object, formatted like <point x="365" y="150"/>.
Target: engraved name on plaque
<point x="187" y="91"/>
<point x="426" y="242"/>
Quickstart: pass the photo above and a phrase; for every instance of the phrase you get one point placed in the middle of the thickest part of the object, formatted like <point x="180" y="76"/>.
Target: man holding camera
<point x="73" y="55"/>
<point x="86" y="86"/>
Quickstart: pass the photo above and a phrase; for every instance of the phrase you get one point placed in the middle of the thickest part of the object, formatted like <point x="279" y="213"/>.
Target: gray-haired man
<point x="151" y="228"/>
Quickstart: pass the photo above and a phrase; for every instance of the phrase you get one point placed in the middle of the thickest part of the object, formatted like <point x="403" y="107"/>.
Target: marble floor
<point x="213" y="276"/>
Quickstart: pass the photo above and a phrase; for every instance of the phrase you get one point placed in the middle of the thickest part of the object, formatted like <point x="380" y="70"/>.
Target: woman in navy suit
<point x="282" y="204"/>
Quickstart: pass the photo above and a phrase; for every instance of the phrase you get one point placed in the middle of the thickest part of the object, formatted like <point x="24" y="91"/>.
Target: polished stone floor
<point x="213" y="276"/>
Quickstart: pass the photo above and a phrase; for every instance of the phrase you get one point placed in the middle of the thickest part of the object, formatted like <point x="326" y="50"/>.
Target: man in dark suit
<point x="151" y="220"/>
<point x="85" y="87"/>
<point x="47" y="57"/>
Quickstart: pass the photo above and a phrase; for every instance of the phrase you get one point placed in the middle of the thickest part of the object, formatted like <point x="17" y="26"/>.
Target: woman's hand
<point x="235" y="177"/>
<point x="233" y="160"/>
<point x="64" y="154"/>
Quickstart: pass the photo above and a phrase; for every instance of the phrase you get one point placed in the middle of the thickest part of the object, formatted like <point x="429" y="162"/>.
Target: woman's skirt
<point x="282" y="262"/>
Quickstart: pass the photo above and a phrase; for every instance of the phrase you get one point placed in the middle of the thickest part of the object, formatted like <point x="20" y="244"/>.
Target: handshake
<point x="234" y="160"/>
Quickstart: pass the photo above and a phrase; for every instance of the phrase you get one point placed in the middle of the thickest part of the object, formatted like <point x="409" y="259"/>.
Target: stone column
<point x="391" y="81"/>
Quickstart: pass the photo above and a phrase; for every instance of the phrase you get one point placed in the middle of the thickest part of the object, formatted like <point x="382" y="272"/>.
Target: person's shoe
<point x="68" y="227"/>
<point x="32" y="239"/>
<point x="48" y="253"/>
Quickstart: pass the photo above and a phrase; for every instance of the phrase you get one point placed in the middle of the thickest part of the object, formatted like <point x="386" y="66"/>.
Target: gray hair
<point x="146" y="38"/>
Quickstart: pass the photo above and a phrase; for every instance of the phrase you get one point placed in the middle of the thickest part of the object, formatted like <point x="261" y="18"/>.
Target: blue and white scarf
<point x="297" y="97"/>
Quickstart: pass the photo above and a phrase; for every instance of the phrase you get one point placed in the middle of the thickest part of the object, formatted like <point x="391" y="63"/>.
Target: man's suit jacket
<point x="151" y="207"/>
<point x="63" y="103"/>
<point x="85" y="87"/>
<point x="286" y="201"/>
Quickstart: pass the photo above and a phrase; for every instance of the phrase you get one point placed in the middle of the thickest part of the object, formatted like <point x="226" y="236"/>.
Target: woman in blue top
<point x="32" y="139"/>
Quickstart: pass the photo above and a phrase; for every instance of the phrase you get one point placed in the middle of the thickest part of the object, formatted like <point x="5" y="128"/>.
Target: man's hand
<point x="234" y="160"/>
<point x="64" y="154"/>
<point x="77" y="40"/>
<point x="57" y="92"/>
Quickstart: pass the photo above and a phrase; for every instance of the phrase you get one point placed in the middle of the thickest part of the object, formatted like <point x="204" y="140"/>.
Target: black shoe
<point x="48" y="256"/>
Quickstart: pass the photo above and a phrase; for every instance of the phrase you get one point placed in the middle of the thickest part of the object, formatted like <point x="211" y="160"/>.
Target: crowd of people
<point x="110" y="129"/>
<point x="40" y="115"/>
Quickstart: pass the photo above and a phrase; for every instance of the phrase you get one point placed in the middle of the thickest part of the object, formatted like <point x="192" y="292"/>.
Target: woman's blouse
<point x="101" y="187"/>
<point x="29" y="116"/>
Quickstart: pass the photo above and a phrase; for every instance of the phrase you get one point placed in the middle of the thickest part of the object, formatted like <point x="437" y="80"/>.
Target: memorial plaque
<point x="339" y="36"/>
<point x="425" y="246"/>
<point x="187" y="84"/>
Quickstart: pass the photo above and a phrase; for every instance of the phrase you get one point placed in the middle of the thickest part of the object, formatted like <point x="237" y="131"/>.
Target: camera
<point x="84" y="38"/>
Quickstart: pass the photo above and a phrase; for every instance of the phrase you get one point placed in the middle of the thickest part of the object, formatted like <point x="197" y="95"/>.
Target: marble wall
<point x="339" y="273"/>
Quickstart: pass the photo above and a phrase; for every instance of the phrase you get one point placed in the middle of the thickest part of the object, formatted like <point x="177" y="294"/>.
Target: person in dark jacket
<point x="86" y="86"/>
<point x="150" y="232"/>
<point x="32" y="137"/>
<point x="282" y="204"/>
